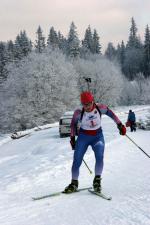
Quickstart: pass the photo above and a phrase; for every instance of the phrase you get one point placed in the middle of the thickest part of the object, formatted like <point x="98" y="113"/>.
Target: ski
<point x="59" y="193"/>
<point x="100" y="194"/>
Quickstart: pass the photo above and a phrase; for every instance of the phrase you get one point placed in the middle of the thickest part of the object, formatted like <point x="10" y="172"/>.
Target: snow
<point x="40" y="164"/>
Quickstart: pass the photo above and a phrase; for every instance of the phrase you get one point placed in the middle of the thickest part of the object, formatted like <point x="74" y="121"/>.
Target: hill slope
<point x="40" y="164"/>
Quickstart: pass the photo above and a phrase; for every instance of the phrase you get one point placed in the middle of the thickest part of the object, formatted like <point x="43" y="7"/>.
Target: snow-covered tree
<point x="142" y="90"/>
<point x="96" y="45"/>
<point x="133" y="41"/>
<point x="110" y="52"/>
<point x="73" y="49"/>
<point x="129" y="93"/>
<point x="147" y="52"/>
<point x="10" y="50"/>
<point x="17" y="49"/>
<point x="87" y="42"/>
<point x="62" y="42"/>
<point x="52" y="40"/>
<point x="40" y="41"/>
<point x="133" y="62"/>
<point x="122" y="55"/>
<point x="136" y="91"/>
<point x="106" y="79"/>
<point x="3" y="61"/>
<point x="90" y="43"/>
<point x="25" y="43"/>
<point x="134" y="54"/>
<point x="21" y="47"/>
<point x="38" y="90"/>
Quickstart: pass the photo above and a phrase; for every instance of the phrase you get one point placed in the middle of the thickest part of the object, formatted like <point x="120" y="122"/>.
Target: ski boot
<point x="97" y="184"/>
<point x="73" y="187"/>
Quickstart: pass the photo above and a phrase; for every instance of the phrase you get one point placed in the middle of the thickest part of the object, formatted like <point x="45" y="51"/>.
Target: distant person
<point x="131" y="120"/>
<point x="90" y="134"/>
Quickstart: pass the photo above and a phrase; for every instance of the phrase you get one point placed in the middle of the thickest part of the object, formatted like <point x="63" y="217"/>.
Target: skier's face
<point x="88" y="106"/>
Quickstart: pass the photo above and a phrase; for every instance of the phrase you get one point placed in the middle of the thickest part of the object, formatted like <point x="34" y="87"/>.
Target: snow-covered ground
<point x="40" y="164"/>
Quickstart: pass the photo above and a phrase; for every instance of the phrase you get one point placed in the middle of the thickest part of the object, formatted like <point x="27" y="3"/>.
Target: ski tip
<point x="109" y="198"/>
<point x="33" y="199"/>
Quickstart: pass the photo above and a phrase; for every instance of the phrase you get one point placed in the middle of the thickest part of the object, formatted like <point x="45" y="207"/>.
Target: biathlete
<point x="90" y="134"/>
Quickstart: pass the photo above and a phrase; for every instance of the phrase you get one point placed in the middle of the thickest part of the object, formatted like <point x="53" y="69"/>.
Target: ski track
<point x="40" y="164"/>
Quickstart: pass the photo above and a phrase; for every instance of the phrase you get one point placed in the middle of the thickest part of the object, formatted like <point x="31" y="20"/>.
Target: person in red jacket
<point x="90" y="134"/>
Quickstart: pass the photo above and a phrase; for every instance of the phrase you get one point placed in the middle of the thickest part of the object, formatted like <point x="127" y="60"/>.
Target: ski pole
<point x="87" y="166"/>
<point x="137" y="146"/>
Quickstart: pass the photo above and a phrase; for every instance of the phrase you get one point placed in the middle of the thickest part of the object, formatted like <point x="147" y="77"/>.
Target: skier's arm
<point x="74" y="121"/>
<point x="105" y="110"/>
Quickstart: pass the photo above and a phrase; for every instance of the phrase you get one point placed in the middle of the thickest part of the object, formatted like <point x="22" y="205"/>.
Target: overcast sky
<point x="111" y="18"/>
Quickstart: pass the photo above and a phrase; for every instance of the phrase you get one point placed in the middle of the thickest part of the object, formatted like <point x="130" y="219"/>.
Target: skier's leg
<point x="80" y="149"/>
<point x="134" y="126"/>
<point x="131" y="126"/>
<point x="98" y="148"/>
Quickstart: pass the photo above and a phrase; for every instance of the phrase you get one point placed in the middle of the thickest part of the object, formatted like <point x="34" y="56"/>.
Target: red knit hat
<point x="86" y="97"/>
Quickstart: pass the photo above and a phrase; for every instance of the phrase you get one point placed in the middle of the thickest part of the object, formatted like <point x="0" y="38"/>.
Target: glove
<point x="73" y="142"/>
<point x="122" y="129"/>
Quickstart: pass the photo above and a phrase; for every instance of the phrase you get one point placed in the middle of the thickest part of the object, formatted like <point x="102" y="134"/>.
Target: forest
<point x="40" y="80"/>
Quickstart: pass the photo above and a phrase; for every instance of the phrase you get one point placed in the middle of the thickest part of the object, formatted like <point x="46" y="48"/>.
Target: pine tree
<point x="134" y="55"/>
<point x="21" y="47"/>
<point x="11" y="50"/>
<point x="3" y="62"/>
<point x="133" y="63"/>
<point x="40" y="41"/>
<point x="121" y="54"/>
<point x="96" y="45"/>
<point x="87" y="42"/>
<point x="52" y="40"/>
<point x="134" y="41"/>
<point x="147" y="52"/>
<point x="17" y="48"/>
<point x="25" y="43"/>
<point x="110" y="52"/>
<point x="62" y="42"/>
<point x="73" y="49"/>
